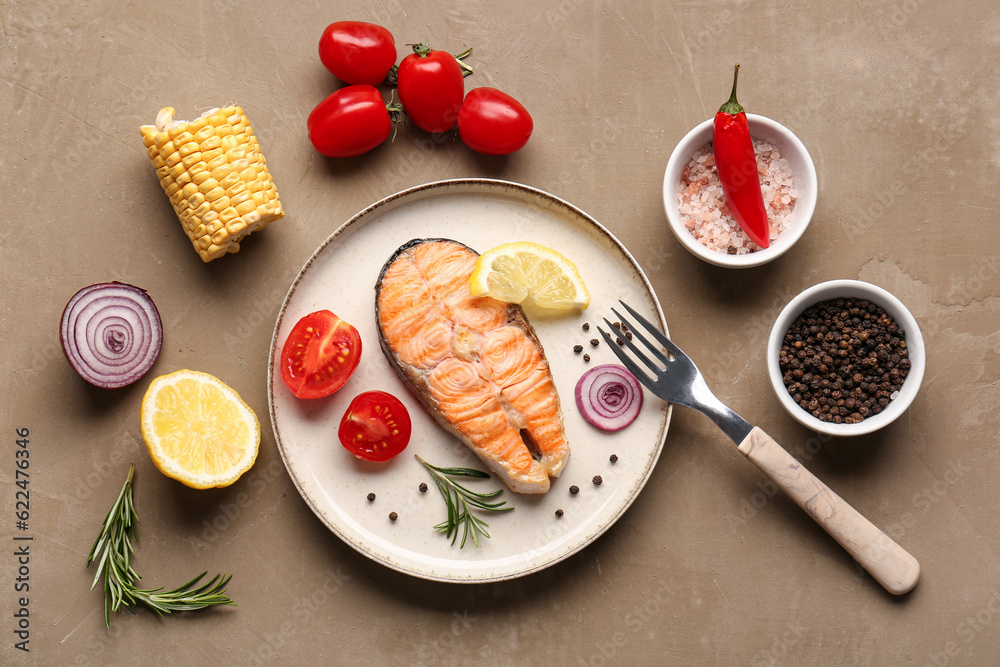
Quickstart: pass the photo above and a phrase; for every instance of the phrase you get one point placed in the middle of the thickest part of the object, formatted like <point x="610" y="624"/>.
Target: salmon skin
<point x="474" y="363"/>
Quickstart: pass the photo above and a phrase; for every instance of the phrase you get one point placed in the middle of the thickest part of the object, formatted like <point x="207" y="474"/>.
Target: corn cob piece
<point x="215" y="175"/>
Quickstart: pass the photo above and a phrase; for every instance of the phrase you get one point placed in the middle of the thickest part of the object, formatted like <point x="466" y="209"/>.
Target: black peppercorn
<point x="586" y="326"/>
<point x="574" y="489"/>
<point x="371" y="497"/>
<point x="842" y="360"/>
<point x="586" y="357"/>
<point x="393" y="516"/>
<point x="614" y="458"/>
<point x="422" y="487"/>
<point x="597" y="480"/>
<point x="578" y="348"/>
<point x="559" y="513"/>
<point x="594" y="342"/>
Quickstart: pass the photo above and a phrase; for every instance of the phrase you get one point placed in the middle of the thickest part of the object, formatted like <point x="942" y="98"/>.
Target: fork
<point x="676" y="379"/>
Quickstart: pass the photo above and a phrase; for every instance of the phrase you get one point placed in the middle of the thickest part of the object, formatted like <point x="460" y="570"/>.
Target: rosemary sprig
<point x="112" y="550"/>
<point x="458" y="499"/>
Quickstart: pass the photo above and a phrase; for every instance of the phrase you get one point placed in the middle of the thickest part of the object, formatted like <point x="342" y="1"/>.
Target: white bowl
<point x="803" y="171"/>
<point x="835" y="289"/>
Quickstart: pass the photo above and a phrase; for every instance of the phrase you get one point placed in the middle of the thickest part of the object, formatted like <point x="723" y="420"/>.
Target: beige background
<point x="897" y="103"/>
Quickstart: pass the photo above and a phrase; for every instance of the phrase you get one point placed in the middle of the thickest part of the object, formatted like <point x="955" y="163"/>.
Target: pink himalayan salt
<point x="703" y="207"/>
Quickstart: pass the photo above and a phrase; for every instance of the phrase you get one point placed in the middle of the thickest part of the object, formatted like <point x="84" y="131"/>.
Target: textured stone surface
<point x="897" y="103"/>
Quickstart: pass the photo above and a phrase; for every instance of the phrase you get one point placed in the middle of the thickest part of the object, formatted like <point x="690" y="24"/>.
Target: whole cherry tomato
<point x="351" y="121"/>
<point x="431" y="88"/>
<point x="319" y="355"/>
<point x="375" y="427"/>
<point x="357" y="52"/>
<point x="492" y="122"/>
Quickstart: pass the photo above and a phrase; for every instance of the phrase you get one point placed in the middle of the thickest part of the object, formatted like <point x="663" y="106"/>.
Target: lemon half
<point x="198" y="430"/>
<point x="526" y="272"/>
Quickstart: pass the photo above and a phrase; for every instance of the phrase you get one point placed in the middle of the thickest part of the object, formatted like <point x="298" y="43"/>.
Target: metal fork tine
<point x="638" y="334"/>
<point x="655" y="332"/>
<point x="656" y="369"/>
<point x="626" y="360"/>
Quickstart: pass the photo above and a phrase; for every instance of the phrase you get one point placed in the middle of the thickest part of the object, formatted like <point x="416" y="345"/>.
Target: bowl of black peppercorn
<point x="845" y="357"/>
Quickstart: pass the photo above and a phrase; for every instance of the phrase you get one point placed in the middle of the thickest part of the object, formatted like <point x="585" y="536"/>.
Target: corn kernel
<point x="238" y="189"/>
<point x="188" y="149"/>
<point x="217" y="160"/>
<point x="227" y="214"/>
<point x="211" y="144"/>
<point x="229" y="181"/>
<point x="202" y="132"/>
<point x="221" y="171"/>
<point x="199" y="174"/>
<point x="192" y="159"/>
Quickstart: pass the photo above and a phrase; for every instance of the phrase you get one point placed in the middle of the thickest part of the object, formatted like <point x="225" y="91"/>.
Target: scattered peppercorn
<point x="619" y="341"/>
<point x="628" y="334"/>
<point x="578" y="348"/>
<point x="559" y="513"/>
<point x="586" y="326"/>
<point x="393" y="516"/>
<point x="586" y="357"/>
<point x="422" y="487"/>
<point x="597" y="480"/>
<point x="371" y="497"/>
<point x="594" y="342"/>
<point x="617" y="325"/>
<point x="844" y="360"/>
<point x="574" y="489"/>
<point x="614" y="458"/>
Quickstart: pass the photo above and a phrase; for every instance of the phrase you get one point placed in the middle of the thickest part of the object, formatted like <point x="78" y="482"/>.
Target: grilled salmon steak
<point x="475" y="363"/>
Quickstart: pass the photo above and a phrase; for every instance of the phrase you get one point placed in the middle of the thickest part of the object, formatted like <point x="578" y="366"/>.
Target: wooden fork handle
<point x="885" y="560"/>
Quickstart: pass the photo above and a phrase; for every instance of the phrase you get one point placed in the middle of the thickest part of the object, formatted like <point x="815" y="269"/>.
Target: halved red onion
<point x="111" y="334"/>
<point x="609" y="397"/>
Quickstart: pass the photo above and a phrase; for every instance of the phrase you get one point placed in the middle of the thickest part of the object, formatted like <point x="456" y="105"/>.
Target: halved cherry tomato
<point x="375" y="427"/>
<point x="431" y="88"/>
<point x="492" y="122"/>
<point x="357" y="52"/>
<point x="351" y="121"/>
<point x="319" y="355"/>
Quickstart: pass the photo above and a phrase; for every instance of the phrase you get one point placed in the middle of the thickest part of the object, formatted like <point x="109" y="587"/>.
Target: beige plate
<point x="340" y="276"/>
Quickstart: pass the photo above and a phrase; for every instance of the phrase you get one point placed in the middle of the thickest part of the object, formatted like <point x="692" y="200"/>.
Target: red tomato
<point x="431" y="88"/>
<point x="375" y="427"/>
<point x="349" y="122"/>
<point x="357" y="52"/>
<point x="319" y="355"/>
<point x="492" y="122"/>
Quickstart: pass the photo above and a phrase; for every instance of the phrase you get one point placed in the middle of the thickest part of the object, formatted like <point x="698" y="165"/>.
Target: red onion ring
<point x="609" y="397"/>
<point x="111" y="334"/>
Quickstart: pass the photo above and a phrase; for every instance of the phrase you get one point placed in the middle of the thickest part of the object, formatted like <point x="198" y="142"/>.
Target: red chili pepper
<point x="737" y="166"/>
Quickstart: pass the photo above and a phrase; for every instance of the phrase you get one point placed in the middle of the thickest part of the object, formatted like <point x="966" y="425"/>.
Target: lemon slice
<point x="525" y="272"/>
<point x="198" y="430"/>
